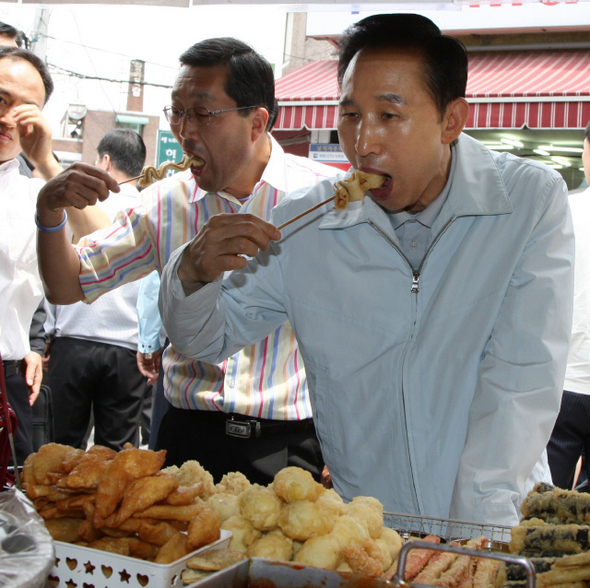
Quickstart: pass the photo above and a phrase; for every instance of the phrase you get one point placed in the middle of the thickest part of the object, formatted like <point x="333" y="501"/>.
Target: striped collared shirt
<point x="265" y="380"/>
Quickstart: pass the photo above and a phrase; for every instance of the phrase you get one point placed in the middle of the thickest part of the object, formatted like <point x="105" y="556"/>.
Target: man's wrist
<point x="52" y="228"/>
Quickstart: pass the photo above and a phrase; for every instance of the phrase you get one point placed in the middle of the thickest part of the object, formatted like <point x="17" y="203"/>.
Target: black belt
<point x="243" y="426"/>
<point x="10" y="368"/>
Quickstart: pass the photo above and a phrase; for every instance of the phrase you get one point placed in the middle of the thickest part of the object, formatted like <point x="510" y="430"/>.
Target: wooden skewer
<point x="306" y="212"/>
<point x="131" y="179"/>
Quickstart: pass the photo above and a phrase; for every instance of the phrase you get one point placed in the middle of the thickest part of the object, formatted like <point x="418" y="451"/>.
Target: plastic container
<point x="83" y="567"/>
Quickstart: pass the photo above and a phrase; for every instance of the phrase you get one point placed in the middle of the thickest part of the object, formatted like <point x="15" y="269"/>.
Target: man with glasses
<point x="250" y="413"/>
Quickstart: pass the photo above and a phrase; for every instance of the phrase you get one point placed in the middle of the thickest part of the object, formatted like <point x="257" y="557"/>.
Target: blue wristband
<point x="52" y="229"/>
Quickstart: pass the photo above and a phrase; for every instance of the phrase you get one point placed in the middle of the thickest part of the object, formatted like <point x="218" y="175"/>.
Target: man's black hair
<point x="250" y="79"/>
<point x="126" y="150"/>
<point x="445" y="58"/>
<point x="9" y="31"/>
<point x="38" y="64"/>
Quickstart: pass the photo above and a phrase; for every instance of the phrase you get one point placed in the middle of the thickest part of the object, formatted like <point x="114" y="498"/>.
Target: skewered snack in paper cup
<point x="150" y="174"/>
<point x="353" y="188"/>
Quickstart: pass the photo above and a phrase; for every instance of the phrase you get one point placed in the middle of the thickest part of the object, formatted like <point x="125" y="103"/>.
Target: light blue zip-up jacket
<point x="433" y="390"/>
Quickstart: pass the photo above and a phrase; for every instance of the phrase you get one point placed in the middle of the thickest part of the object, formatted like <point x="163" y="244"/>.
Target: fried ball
<point x="233" y="483"/>
<point x="293" y="483"/>
<point x="243" y="533"/>
<point x="365" y="559"/>
<point x="393" y="541"/>
<point x="191" y="472"/>
<point x="272" y="546"/>
<point x="261" y="507"/>
<point x="349" y="531"/>
<point x="369" y="512"/>
<point x="321" y="552"/>
<point x="302" y="520"/>
<point x="385" y="553"/>
<point x="332" y="500"/>
<point x="224" y="504"/>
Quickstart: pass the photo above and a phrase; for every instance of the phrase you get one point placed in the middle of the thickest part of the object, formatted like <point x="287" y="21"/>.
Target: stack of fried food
<point x="297" y="519"/>
<point x="120" y="502"/>
<point x="554" y="535"/>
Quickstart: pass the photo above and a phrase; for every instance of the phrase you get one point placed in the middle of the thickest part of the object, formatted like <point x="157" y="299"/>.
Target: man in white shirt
<point x="92" y="367"/>
<point x="25" y="87"/>
<point x="571" y="435"/>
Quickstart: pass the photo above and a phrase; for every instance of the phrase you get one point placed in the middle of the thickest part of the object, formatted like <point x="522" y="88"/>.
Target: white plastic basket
<point x="82" y="567"/>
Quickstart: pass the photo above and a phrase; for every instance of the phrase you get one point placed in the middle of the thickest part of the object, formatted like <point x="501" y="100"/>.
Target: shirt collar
<point x="273" y="174"/>
<point x="9" y="165"/>
<point x="427" y="216"/>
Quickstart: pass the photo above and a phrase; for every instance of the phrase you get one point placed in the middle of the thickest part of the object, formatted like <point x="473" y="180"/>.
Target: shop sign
<point x="168" y="150"/>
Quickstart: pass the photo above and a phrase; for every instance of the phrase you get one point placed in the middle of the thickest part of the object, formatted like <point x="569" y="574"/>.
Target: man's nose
<point x="368" y="139"/>
<point x="6" y="117"/>
<point x="187" y="129"/>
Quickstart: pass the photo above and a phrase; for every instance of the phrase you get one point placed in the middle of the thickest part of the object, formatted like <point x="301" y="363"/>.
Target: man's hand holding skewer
<point x="223" y="243"/>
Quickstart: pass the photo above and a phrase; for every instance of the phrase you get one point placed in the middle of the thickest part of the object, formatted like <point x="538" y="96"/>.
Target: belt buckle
<point x="243" y="429"/>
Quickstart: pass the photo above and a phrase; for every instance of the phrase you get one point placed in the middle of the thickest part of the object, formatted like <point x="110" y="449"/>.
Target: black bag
<point x="43" y="418"/>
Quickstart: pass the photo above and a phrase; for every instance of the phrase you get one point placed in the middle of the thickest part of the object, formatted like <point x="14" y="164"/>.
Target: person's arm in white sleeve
<point x="521" y="374"/>
<point x="149" y="352"/>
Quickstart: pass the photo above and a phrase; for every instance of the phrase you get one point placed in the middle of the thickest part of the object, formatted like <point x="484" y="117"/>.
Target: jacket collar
<point x="477" y="190"/>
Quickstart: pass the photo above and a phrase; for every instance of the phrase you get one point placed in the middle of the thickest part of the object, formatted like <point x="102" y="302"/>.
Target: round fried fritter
<point x="243" y="533"/>
<point x="261" y="506"/>
<point x="302" y="520"/>
<point x="369" y="512"/>
<point x="293" y="483"/>
<point x="332" y="500"/>
<point x="321" y="552"/>
<point x="393" y="541"/>
<point x="272" y="546"/>
<point x="233" y="483"/>
<point x="224" y="504"/>
<point x="349" y="531"/>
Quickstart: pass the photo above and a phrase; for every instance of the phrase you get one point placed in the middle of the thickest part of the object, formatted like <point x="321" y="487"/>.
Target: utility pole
<point x="39" y="36"/>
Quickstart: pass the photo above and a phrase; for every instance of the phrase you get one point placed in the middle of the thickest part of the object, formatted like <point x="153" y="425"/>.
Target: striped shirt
<point x="265" y="380"/>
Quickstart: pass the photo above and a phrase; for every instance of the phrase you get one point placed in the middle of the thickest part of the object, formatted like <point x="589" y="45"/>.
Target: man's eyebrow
<point x="196" y="95"/>
<point x="390" y="97"/>
<point x="4" y="92"/>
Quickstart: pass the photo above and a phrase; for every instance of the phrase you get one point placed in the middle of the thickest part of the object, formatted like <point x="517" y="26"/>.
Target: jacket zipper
<point x="415" y="289"/>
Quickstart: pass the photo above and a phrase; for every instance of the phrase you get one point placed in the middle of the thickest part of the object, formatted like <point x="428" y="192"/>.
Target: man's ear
<point x="105" y="163"/>
<point x="259" y="122"/>
<point x="455" y="120"/>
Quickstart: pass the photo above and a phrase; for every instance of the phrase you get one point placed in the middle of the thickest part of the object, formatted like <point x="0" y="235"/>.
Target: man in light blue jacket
<point x="433" y="316"/>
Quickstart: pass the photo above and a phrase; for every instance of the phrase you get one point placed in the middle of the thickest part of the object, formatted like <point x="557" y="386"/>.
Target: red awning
<point x="506" y="90"/>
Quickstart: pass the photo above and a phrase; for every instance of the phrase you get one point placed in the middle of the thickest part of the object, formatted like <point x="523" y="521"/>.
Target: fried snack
<point x="191" y="576"/>
<point x="439" y="563"/>
<point x="418" y="558"/>
<point x="302" y="520"/>
<point x="150" y="174"/>
<point x="386" y="557"/>
<point x="88" y="533"/>
<point x="349" y="531"/>
<point x="233" y="483"/>
<point x="65" y="529"/>
<point x="184" y="495"/>
<point x="323" y="551"/>
<point x="366" y="559"/>
<point x="75" y="501"/>
<point x="293" y="483"/>
<point x="141" y="494"/>
<point x="215" y="560"/>
<point x="485" y="573"/>
<point x="142" y="549"/>
<point x="49" y="459"/>
<point x="86" y="474"/>
<point x="26" y="476"/>
<point x="261" y="507"/>
<point x="392" y="539"/>
<point x="243" y="533"/>
<point x="275" y="546"/>
<point x="555" y="505"/>
<point x="118" y="545"/>
<point x="166" y="512"/>
<point x="173" y="549"/>
<point x="369" y="511"/>
<point x="44" y="491"/>
<point x="191" y="472"/>
<point x="224" y="505"/>
<point x="203" y="529"/>
<point x="157" y="534"/>
<point x="331" y="500"/>
<point x="128" y="465"/>
<point x="541" y="537"/>
<point x="354" y="187"/>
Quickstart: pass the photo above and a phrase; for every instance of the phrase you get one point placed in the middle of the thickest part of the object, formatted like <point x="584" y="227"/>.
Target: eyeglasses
<point x="197" y="115"/>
